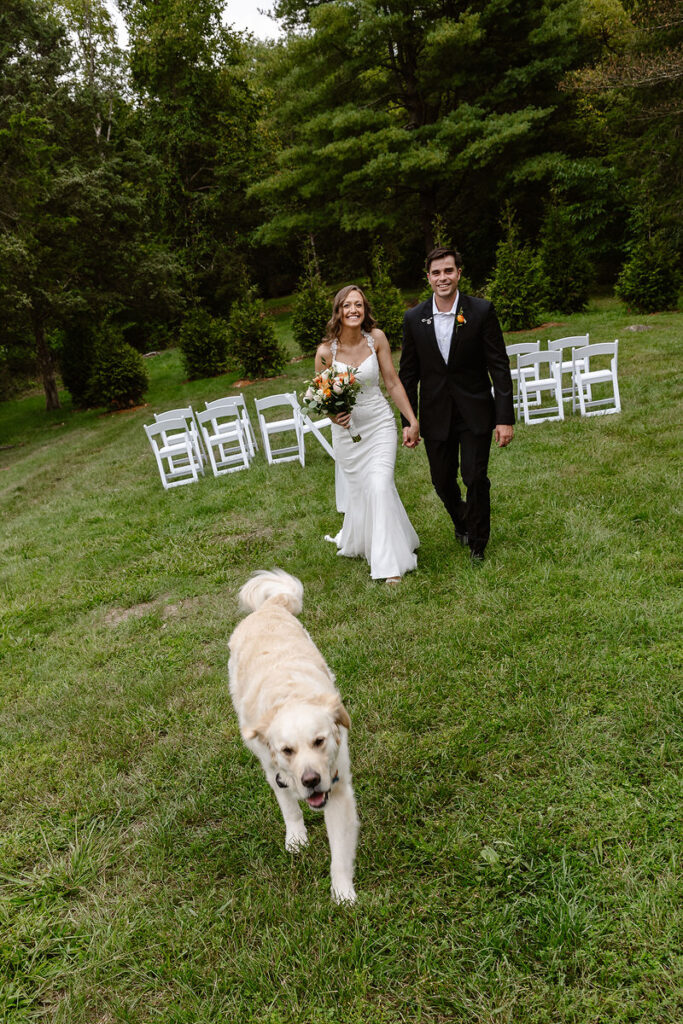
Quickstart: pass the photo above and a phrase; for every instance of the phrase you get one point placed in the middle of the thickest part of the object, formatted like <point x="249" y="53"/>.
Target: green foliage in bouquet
<point x="650" y="279"/>
<point x="385" y="299"/>
<point x="312" y="304"/>
<point x="252" y="341"/>
<point x="203" y="344"/>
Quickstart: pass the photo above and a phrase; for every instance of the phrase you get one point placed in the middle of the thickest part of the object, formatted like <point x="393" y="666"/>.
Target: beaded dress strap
<point x="333" y="349"/>
<point x="370" y="340"/>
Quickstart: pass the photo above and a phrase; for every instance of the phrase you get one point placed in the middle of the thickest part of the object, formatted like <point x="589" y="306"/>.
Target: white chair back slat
<point x="586" y="377"/>
<point x="175" y="451"/>
<point x="566" y="347"/>
<point x="514" y="351"/>
<point x="187" y="414"/>
<point x="289" y="424"/>
<point x="240" y="403"/>
<point x="224" y="436"/>
<point x="540" y="375"/>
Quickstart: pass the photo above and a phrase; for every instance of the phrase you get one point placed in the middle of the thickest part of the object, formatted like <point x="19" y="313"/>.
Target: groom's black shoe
<point x="461" y="538"/>
<point x="476" y="557"/>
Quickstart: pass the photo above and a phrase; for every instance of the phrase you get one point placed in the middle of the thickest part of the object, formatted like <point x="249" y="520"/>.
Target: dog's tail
<point x="266" y="584"/>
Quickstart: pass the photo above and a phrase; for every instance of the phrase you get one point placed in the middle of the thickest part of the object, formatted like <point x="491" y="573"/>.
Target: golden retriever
<point x="292" y="717"/>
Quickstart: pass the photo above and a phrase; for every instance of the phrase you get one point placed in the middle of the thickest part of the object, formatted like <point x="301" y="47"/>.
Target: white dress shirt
<point x="444" y="324"/>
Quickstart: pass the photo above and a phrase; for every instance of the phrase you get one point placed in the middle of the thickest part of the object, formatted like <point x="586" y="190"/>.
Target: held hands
<point x="411" y="436"/>
<point x="504" y="434"/>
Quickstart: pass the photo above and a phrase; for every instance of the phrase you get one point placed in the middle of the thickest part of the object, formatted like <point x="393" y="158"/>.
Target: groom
<point x="453" y="349"/>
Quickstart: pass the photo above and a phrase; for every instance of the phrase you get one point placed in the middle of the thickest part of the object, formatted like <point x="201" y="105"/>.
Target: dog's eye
<point x="319" y="742"/>
<point x="287" y="751"/>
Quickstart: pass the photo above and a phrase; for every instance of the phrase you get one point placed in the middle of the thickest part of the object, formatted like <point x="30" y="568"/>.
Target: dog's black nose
<point x="310" y="779"/>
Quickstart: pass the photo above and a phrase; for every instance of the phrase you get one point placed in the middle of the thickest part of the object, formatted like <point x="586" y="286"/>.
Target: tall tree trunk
<point x="46" y="366"/>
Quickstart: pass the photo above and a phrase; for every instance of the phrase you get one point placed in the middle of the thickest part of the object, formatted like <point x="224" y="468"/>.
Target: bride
<point x="376" y="524"/>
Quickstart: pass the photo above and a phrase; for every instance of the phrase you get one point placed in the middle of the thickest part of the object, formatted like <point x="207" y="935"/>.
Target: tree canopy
<point x="140" y="184"/>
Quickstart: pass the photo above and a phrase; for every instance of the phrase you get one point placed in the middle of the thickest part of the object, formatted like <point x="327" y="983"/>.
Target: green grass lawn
<point x="516" y="737"/>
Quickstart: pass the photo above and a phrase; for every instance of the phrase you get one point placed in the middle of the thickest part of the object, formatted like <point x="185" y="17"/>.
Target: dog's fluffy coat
<point x="292" y="717"/>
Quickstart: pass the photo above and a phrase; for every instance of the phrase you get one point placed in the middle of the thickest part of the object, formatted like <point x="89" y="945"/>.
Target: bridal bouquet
<point x="332" y="391"/>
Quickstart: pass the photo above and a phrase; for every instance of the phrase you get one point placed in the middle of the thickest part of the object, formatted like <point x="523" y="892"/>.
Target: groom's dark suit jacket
<point x="476" y="360"/>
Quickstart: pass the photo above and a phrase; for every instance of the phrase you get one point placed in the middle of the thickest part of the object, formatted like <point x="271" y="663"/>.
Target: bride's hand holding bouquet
<point x="332" y="392"/>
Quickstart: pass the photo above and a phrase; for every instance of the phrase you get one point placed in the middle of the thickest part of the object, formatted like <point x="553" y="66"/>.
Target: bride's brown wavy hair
<point x="333" y="329"/>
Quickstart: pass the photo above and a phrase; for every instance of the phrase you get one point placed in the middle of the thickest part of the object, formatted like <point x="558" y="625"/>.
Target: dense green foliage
<point x="197" y="116"/>
<point x="312" y="305"/>
<point x="385" y="299"/>
<point x="394" y="113"/>
<point x="518" y="286"/>
<point x="118" y="378"/>
<point x="566" y="269"/>
<point x="203" y="343"/>
<point x="138" y="183"/>
<point x="515" y="743"/>
<point x="252" y="341"/>
<point x="650" y="278"/>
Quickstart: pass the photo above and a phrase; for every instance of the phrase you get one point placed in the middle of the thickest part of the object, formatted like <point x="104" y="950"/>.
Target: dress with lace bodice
<point x="376" y="525"/>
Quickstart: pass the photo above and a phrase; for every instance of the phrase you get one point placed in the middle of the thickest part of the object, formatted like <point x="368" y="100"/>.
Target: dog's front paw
<point x="343" y="892"/>
<point x="295" y="841"/>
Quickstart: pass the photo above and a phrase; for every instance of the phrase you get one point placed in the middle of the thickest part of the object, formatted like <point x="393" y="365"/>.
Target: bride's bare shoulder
<point x="323" y="354"/>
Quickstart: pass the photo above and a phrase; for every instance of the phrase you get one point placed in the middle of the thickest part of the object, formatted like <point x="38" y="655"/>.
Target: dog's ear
<point x="341" y="715"/>
<point x="257" y="732"/>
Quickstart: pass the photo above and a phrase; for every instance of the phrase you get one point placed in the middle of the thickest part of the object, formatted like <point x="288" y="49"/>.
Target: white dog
<point x="291" y="716"/>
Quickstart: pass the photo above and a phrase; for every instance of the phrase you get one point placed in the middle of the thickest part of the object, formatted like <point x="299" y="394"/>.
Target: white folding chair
<point x="316" y="427"/>
<point x="224" y="437"/>
<point x="291" y="425"/>
<point x="186" y="413"/>
<point x="175" y="452"/>
<point x="247" y="427"/>
<point x="540" y="373"/>
<point x="566" y="346"/>
<point x="521" y="348"/>
<point x="585" y="380"/>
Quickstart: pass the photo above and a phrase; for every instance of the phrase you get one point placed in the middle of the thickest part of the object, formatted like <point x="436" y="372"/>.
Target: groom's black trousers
<point x="470" y="453"/>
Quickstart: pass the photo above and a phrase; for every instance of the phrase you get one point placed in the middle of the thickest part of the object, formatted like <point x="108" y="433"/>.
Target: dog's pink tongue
<point x="317" y="800"/>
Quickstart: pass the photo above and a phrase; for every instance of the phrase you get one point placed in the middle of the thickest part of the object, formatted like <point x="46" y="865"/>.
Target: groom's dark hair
<point x="440" y="253"/>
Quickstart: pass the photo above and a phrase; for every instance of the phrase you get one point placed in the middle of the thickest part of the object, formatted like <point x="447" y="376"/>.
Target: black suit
<point x="457" y="411"/>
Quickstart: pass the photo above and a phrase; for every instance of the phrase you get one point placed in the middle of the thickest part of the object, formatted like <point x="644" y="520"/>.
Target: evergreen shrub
<point x="518" y="286"/>
<point x="567" y="271"/>
<point x="385" y="299"/>
<point x="252" y="341"/>
<point x="312" y="305"/>
<point x="650" y="279"/>
<point x="119" y="377"/>
<point x="203" y="344"/>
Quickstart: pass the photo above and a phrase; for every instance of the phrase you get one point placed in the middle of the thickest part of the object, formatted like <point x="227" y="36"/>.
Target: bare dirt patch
<point x="137" y="611"/>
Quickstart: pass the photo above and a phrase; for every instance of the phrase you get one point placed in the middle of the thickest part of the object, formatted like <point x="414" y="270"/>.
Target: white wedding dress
<point x="376" y="525"/>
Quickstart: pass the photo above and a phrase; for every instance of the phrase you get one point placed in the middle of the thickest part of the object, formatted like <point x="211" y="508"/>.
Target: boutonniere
<point x="427" y="320"/>
<point x="460" y="319"/>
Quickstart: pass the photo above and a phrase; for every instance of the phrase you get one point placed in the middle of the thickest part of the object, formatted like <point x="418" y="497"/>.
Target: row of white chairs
<point x="540" y="378"/>
<point x="184" y="440"/>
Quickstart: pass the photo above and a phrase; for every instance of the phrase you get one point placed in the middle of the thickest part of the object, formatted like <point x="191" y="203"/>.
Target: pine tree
<point x="518" y="286"/>
<point x="312" y="303"/>
<point x="385" y="299"/>
<point x="564" y="263"/>
<point x="251" y="338"/>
